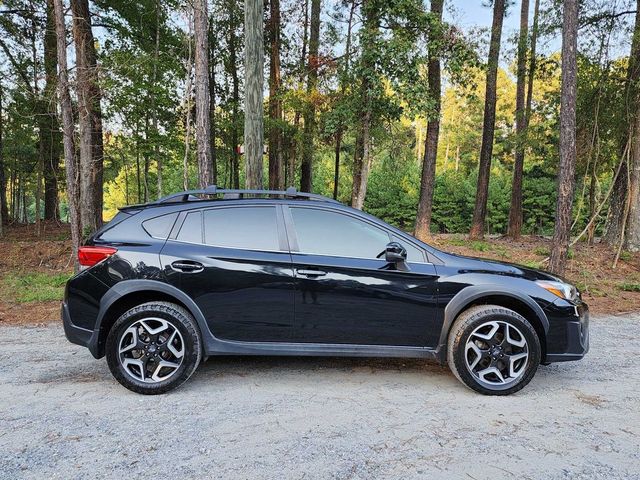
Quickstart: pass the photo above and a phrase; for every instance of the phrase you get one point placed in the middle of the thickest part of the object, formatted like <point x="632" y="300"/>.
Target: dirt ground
<point x="62" y="416"/>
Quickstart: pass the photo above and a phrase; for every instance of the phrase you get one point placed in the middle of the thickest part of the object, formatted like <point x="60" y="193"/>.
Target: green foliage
<point x="35" y="287"/>
<point x="541" y="250"/>
<point x="479" y="246"/>
<point x="626" y="256"/>
<point x="630" y="286"/>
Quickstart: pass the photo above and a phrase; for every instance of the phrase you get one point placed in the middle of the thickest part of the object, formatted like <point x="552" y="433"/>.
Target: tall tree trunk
<point x="336" y="168"/>
<point x="306" y="181"/>
<point x="145" y="155"/>
<point x="343" y="85"/>
<point x="67" y="128"/>
<point x="515" y="212"/>
<point x="187" y="128"/>
<point x="489" y="124"/>
<point x="253" y="67"/>
<point x="203" y="108"/>
<point x="275" y="102"/>
<point x="154" y="104"/>
<point x="427" y="183"/>
<point x="235" y="104"/>
<point x="616" y="218"/>
<point x="566" y="170"/>
<point x="212" y="103"/>
<point x="631" y="237"/>
<point x="293" y="141"/>
<point x="3" y="183"/>
<point x="52" y="138"/>
<point x="362" y="154"/>
<point x="89" y="119"/>
<point x="40" y="110"/>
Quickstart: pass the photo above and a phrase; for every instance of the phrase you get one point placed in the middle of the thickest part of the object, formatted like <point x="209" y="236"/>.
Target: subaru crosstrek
<point x="241" y="272"/>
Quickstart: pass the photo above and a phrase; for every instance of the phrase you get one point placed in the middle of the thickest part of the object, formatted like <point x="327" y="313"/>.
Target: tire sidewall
<point x="177" y="320"/>
<point x="533" y="344"/>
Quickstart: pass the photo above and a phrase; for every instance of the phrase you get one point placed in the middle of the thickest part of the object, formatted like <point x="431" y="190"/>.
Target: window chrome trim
<point x="228" y="248"/>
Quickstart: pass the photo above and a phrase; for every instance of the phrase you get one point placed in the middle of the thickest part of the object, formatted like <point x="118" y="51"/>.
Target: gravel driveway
<point x="63" y="416"/>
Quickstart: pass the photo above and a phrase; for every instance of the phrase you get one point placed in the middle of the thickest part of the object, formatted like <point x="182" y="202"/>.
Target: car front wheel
<point x="493" y="350"/>
<point x="153" y="348"/>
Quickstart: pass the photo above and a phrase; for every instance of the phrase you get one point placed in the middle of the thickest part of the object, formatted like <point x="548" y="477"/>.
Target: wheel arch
<point x="129" y="293"/>
<point x="481" y="295"/>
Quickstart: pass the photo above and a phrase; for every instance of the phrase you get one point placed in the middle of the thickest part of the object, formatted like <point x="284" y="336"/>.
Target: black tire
<point x="474" y="320"/>
<point x="189" y="341"/>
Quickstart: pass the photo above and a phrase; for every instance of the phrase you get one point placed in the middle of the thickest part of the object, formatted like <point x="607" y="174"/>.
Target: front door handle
<point x="310" y="273"/>
<point x="187" y="266"/>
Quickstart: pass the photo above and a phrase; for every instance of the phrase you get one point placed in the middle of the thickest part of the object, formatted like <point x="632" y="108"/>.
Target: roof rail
<point x="229" y="194"/>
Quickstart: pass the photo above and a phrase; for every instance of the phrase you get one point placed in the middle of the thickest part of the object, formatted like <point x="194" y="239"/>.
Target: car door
<point x="345" y="295"/>
<point x="233" y="261"/>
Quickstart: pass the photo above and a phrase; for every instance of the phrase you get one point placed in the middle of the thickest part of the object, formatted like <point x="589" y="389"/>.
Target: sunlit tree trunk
<point x="232" y="69"/>
<point x="154" y="104"/>
<point x="275" y="102"/>
<point x="567" y="167"/>
<point x="515" y="212"/>
<point x="427" y="183"/>
<point x="67" y="128"/>
<point x="343" y="87"/>
<point x="306" y="173"/>
<point x="212" y="103"/>
<point x="253" y="65"/>
<point x="89" y="119"/>
<point x="3" y="183"/>
<point x="618" y="213"/>
<point x="52" y="138"/>
<point x="203" y="110"/>
<point x="489" y="124"/>
<point x="187" y="106"/>
<point x="362" y="154"/>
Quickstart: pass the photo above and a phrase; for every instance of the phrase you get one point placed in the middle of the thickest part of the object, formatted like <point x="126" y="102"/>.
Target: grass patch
<point x="480" y="246"/>
<point x="34" y="287"/>
<point x="630" y="286"/>
<point x="626" y="256"/>
<point x="541" y="250"/>
<point x="532" y="264"/>
<point x="457" y="242"/>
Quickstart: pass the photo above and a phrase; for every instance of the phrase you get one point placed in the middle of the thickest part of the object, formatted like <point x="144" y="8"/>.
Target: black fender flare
<point x="470" y="294"/>
<point x="127" y="287"/>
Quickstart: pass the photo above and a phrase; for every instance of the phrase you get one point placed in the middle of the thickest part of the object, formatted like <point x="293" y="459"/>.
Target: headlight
<point x="560" y="289"/>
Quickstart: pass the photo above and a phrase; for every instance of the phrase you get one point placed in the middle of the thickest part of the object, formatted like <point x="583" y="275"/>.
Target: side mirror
<point x="395" y="253"/>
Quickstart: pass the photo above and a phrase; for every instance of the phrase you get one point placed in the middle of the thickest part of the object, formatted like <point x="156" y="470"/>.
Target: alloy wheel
<point x="151" y="350"/>
<point x="496" y="354"/>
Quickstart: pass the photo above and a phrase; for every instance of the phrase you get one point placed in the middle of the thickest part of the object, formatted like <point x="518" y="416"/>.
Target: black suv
<point x="246" y="272"/>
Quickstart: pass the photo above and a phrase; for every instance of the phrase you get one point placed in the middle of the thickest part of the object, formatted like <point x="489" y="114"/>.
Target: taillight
<point x="90" y="256"/>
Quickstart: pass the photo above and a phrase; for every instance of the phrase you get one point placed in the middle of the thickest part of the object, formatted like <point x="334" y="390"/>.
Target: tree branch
<point x="16" y="65"/>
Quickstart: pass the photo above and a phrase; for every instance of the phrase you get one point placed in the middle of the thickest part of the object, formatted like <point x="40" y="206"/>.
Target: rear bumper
<point x="568" y="336"/>
<point x="76" y="334"/>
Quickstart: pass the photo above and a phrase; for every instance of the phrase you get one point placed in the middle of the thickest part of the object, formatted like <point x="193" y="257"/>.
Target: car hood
<point x="482" y="265"/>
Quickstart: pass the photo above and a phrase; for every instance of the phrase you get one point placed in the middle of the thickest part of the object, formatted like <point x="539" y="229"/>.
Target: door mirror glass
<point x="395" y="253"/>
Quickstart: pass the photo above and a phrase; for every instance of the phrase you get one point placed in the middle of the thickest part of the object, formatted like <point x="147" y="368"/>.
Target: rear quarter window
<point x="191" y="229"/>
<point x="160" y="227"/>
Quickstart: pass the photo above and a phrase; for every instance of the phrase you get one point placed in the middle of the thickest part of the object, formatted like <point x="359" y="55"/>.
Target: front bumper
<point x="76" y="334"/>
<point x="568" y="335"/>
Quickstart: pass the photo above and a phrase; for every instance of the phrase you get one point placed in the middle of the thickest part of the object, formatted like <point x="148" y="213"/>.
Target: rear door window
<point x="250" y="228"/>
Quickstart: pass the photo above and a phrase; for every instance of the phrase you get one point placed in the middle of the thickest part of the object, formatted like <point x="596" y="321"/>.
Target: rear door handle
<point x="310" y="273"/>
<point x="187" y="266"/>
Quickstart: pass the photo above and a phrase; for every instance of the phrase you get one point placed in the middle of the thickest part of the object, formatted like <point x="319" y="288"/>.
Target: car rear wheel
<point x="153" y="348"/>
<point x="493" y="350"/>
